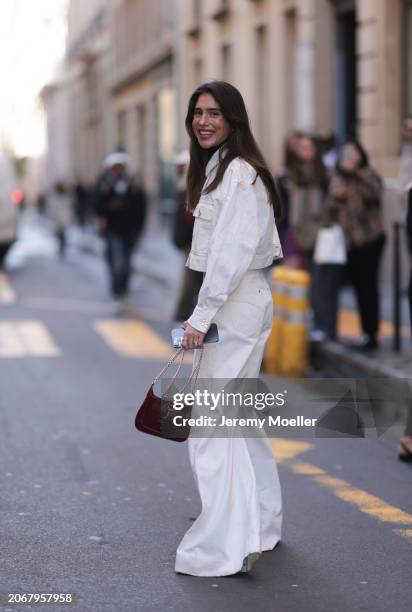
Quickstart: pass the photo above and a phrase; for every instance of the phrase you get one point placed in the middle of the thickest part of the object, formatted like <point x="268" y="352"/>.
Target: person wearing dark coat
<point x="405" y="451"/>
<point x="356" y="190"/>
<point x="182" y="239"/>
<point x="121" y="211"/>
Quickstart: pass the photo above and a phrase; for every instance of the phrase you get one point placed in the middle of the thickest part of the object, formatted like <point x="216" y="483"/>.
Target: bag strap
<point x="169" y="363"/>
<point x="193" y="376"/>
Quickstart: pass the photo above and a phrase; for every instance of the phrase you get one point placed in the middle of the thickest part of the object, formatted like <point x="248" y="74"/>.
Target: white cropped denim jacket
<point x="234" y="231"/>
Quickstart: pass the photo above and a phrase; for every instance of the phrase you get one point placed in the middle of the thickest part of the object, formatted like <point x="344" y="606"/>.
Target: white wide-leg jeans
<point x="236" y="477"/>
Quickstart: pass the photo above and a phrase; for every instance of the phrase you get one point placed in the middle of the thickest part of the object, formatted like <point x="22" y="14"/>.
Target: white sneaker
<point x="249" y="561"/>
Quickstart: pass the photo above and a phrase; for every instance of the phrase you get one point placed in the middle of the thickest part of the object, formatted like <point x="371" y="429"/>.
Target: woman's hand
<point x="192" y="338"/>
<point x="338" y="188"/>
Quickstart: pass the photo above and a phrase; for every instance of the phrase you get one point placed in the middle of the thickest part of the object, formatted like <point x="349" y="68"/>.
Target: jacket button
<point x="200" y="213"/>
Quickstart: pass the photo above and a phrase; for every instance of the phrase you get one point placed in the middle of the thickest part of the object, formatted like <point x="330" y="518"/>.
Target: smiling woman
<point x="209" y="124"/>
<point x="234" y="203"/>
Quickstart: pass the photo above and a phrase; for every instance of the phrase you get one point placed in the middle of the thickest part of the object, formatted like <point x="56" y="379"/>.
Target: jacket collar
<point x="215" y="159"/>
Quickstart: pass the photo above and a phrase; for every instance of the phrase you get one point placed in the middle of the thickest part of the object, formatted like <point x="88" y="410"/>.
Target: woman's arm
<point x="233" y="243"/>
<point x="369" y="187"/>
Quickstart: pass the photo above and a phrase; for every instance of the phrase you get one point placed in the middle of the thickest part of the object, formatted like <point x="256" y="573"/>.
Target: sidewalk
<point x="337" y="359"/>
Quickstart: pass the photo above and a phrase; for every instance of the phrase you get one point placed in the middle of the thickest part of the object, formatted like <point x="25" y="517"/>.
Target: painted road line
<point x="365" y="502"/>
<point x="306" y="468"/>
<point x="7" y="295"/>
<point x="287" y="450"/>
<point x="26" y="338"/>
<point x="131" y="338"/>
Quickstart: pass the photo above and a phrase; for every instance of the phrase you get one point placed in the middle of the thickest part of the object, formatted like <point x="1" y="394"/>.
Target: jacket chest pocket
<point x="203" y="227"/>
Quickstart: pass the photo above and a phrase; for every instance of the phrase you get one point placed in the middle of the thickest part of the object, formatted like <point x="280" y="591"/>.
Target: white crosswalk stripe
<point x="7" y="295"/>
<point x="26" y="339"/>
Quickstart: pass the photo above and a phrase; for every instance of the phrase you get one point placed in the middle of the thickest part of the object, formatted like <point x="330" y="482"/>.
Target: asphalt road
<point x="91" y="507"/>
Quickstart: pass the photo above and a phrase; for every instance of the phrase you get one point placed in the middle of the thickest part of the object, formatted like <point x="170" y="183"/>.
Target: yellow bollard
<point x="295" y="345"/>
<point x="273" y="357"/>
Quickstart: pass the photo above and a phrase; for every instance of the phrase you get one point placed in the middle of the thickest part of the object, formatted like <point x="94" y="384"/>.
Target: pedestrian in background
<point x="121" y="210"/>
<point x="357" y="191"/>
<point x="182" y="239"/>
<point x="405" y="451"/>
<point x="405" y="173"/>
<point x="328" y="266"/>
<point x="41" y="204"/>
<point x="291" y="252"/>
<point x="234" y="202"/>
<point x="59" y="209"/>
<point x="308" y="187"/>
<point x="81" y="202"/>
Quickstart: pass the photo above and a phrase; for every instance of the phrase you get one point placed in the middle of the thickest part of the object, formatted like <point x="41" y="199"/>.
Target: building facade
<point x="325" y="66"/>
<point x="121" y="62"/>
<point x="57" y="163"/>
<point x="341" y="67"/>
<point x="143" y="88"/>
<point x="87" y="57"/>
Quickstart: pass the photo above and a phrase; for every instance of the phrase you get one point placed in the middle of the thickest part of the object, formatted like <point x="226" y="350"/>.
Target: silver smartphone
<point x="211" y="336"/>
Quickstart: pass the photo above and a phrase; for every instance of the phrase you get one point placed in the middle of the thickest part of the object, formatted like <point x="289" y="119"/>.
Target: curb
<point x="337" y="360"/>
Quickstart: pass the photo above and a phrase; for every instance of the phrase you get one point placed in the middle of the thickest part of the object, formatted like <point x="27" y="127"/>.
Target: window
<point x="262" y="79"/>
<point x="121" y="130"/>
<point x="345" y="71"/>
<point x="290" y="54"/>
<point x="195" y="18"/>
<point x="226" y="68"/>
<point x="141" y="141"/>
<point x="221" y="11"/>
<point x="197" y="11"/>
<point x="197" y="71"/>
<point x="92" y="92"/>
<point x="407" y="59"/>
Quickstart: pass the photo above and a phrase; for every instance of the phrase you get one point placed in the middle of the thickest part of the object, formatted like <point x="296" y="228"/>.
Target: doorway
<point x="345" y="70"/>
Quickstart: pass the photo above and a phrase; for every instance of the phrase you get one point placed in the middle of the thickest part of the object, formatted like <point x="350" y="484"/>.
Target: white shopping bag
<point x="330" y="246"/>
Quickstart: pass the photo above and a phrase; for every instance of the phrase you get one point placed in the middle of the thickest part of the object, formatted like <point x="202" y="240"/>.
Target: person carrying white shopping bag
<point x="329" y="261"/>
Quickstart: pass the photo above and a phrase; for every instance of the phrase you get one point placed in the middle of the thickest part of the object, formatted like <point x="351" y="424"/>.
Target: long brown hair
<point x="239" y="143"/>
<point x="309" y="174"/>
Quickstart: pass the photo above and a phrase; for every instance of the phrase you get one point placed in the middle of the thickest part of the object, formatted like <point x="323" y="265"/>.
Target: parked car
<point x="8" y="210"/>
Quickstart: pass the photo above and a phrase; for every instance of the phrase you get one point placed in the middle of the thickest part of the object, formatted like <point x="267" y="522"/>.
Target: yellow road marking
<point x="7" y="295"/>
<point x="365" y="502"/>
<point x="26" y="338"/>
<point x="135" y="339"/>
<point x="288" y="449"/>
<point x="331" y="482"/>
<point x="306" y="468"/>
<point x="372" y="505"/>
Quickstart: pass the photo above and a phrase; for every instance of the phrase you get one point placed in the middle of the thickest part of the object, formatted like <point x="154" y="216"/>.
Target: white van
<point x="8" y="210"/>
